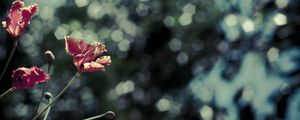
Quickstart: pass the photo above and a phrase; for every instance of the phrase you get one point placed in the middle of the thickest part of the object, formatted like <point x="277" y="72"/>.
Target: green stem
<point x="44" y="90"/>
<point x="58" y="95"/>
<point x="6" y="92"/>
<point x="96" y="117"/>
<point x="48" y="110"/>
<point x="9" y="58"/>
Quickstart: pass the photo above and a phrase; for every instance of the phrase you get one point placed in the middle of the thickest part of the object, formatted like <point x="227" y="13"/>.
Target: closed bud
<point x="48" y="95"/>
<point x="49" y="56"/>
<point x="110" y="114"/>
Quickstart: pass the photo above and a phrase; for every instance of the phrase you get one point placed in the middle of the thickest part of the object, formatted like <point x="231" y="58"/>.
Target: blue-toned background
<point x="172" y="59"/>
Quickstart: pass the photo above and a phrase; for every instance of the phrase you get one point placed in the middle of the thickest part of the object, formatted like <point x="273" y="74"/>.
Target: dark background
<point x="172" y="59"/>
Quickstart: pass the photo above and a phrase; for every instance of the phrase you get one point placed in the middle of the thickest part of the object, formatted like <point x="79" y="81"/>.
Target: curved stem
<point x="9" y="58"/>
<point x="95" y="117"/>
<point x="6" y="92"/>
<point x="44" y="90"/>
<point x="58" y="95"/>
<point x="48" y="110"/>
<point x="108" y="114"/>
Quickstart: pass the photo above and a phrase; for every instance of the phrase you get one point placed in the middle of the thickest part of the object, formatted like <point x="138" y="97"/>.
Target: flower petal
<point x="72" y="46"/>
<point x="84" y="54"/>
<point x="25" y="78"/>
<point x="17" y="4"/>
<point x="27" y="13"/>
<point x="78" y="60"/>
<point x="39" y="75"/>
<point x="104" y="60"/>
<point x="98" y="65"/>
<point x="13" y="19"/>
<point x="92" y="67"/>
<point x="18" y="18"/>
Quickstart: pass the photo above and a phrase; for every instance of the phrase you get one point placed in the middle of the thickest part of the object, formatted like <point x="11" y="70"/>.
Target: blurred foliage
<point x="179" y="59"/>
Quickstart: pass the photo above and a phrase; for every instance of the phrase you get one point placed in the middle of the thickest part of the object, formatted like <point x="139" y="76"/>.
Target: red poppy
<point x="25" y="78"/>
<point x="18" y="18"/>
<point x="85" y="55"/>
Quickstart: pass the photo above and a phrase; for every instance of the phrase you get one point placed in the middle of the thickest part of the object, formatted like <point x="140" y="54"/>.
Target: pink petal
<point x="14" y="16"/>
<point x="33" y="8"/>
<point x="38" y="75"/>
<point x="25" y="78"/>
<point x="72" y="46"/>
<point x="84" y="55"/>
<point x="17" y="5"/>
<point x="78" y="61"/>
<point x="27" y="13"/>
<point x="18" y="18"/>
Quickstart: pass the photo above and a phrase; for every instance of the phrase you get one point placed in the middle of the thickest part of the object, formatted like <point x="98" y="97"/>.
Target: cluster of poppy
<point x="85" y="55"/>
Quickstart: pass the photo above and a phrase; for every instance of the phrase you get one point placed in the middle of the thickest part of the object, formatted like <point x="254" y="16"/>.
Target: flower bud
<point x="110" y="114"/>
<point x="47" y="95"/>
<point x="49" y="56"/>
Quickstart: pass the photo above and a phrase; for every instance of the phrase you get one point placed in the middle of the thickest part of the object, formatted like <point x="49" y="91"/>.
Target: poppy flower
<point x="25" y="78"/>
<point x="86" y="56"/>
<point x="18" y="18"/>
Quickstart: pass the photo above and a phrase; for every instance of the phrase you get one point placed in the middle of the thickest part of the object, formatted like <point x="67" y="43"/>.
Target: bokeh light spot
<point x="124" y="87"/>
<point x="273" y="54"/>
<point x="189" y="8"/>
<point x="182" y="58"/>
<point x="248" y="26"/>
<point x="185" y="19"/>
<point x="206" y="112"/>
<point x="169" y="21"/>
<point x="81" y="3"/>
<point x="124" y="45"/>
<point x="175" y="44"/>
<point x="280" y="19"/>
<point x="281" y="3"/>
<point x="163" y="104"/>
<point x="117" y="35"/>
<point x="231" y="20"/>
